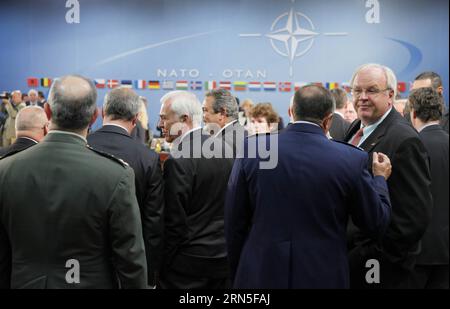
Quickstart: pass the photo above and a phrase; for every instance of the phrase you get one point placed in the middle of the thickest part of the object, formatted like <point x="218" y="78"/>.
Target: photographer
<point x="12" y="107"/>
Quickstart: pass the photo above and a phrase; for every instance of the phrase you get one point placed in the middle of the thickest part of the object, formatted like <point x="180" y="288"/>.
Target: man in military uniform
<point x="73" y="222"/>
<point x="12" y="107"/>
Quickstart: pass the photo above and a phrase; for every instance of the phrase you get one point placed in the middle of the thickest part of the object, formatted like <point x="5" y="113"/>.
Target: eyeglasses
<point x="357" y="92"/>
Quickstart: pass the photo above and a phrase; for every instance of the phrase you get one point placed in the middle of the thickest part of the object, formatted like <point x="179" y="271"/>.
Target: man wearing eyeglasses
<point x="380" y="128"/>
<point x="31" y="128"/>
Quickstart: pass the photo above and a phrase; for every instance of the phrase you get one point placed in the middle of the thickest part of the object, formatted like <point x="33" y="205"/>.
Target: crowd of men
<point x="322" y="203"/>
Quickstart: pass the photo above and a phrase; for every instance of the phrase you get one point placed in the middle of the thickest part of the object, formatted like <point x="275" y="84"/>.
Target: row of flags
<point x="200" y="85"/>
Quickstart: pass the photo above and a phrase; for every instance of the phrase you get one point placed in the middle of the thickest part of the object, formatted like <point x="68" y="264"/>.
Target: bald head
<point x="31" y="122"/>
<point x="72" y="103"/>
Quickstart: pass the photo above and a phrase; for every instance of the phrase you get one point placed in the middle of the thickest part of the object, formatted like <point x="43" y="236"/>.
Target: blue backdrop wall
<point x="197" y="41"/>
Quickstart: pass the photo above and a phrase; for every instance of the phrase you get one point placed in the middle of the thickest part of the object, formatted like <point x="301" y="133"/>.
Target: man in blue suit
<point x="286" y="226"/>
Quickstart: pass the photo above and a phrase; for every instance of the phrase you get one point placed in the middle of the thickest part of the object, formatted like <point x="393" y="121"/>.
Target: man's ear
<point x="103" y="112"/>
<point x="48" y="111"/>
<point x="134" y="120"/>
<point x="94" y="117"/>
<point x="183" y="118"/>
<point x="440" y="90"/>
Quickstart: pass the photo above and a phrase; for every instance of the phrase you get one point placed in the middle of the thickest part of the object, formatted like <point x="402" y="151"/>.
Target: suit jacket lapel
<point x="379" y="132"/>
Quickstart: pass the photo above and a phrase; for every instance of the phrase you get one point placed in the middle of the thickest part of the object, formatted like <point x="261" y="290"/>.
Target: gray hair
<point x="223" y="100"/>
<point x="33" y="91"/>
<point x="391" y="80"/>
<point x="31" y="117"/>
<point x="72" y="100"/>
<point x="184" y="103"/>
<point x="121" y="103"/>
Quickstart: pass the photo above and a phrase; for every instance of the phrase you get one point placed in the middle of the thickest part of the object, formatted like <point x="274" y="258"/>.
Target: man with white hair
<point x="12" y="107"/>
<point x="34" y="99"/>
<point x="195" y="179"/>
<point x="381" y="128"/>
<point x="31" y="128"/>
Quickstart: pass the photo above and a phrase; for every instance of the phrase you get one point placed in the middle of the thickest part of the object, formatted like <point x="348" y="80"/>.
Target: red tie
<point x="357" y="137"/>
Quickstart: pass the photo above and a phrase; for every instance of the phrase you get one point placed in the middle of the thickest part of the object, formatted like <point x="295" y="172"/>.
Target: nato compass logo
<point x="292" y="35"/>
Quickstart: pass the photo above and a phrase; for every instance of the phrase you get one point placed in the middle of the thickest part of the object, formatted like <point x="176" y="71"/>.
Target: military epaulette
<point x="109" y="156"/>
<point x="347" y="144"/>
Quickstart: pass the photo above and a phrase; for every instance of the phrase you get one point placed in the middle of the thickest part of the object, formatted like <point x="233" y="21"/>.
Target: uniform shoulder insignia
<point x="347" y="144"/>
<point x="109" y="156"/>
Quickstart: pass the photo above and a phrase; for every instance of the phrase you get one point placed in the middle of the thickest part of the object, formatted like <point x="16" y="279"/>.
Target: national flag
<point x="240" y="86"/>
<point x="346" y="86"/>
<point x="401" y="86"/>
<point x="318" y="84"/>
<point x="127" y="83"/>
<point x="254" y="86"/>
<point x="32" y="82"/>
<point x="46" y="82"/>
<point x="225" y="85"/>
<point x="210" y="85"/>
<point x="299" y="85"/>
<point x="270" y="86"/>
<point x="285" y="86"/>
<point x="331" y="86"/>
<point x="196" y="85"/>
<point x="113" y="83"/>
<point x="154" y="85"/>
<point x="140" y="84"/>
<point x="168" y="85"/>
<point x="181" y="85"/>
<point x="100" y="83"/>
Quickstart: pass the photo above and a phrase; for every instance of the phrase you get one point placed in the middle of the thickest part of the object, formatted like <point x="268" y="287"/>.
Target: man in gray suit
<point x="73" y="221"/>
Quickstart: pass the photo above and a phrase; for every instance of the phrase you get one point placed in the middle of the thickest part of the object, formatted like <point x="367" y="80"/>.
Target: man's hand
<point x="381" y="165"/>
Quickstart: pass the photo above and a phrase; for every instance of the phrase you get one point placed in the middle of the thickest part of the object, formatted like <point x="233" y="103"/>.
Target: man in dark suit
<point x="195" y="177"/>
<point x="382" y="129"/>
<point x="220" y="116"/>
<point x="433" y="80"/>
<point x="68" y="214"/>
<point x="339" y="125"/>
<point x="432" y="264"/>
<point x="31" y="128"/>
<point x="120" y="115"/>
<point x="286" y="226"/>
<point x="34" y="99"/>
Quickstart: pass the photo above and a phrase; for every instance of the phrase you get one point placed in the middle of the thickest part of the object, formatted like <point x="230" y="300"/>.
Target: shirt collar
<point x="370" y="128"/>
<point x="428" y="125"/>
<point x="305" y="122"/>
<point x="29" y="138"/>
<point x="339" y="113"/>
<point x="68" y="133"/>
<point x="116" y="125"/>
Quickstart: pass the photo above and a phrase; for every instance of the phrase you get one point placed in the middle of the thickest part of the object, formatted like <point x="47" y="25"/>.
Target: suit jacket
<point x="286" y="227"/>
<point x="149" y="185"/>
<point x="234" y="136"/>
<point x="444" y="122"/>
<point x="338" y="127"/>
<point x="435" y="249"/>
<point x="72" y="203"/>
<point x="19" y="145"/>
<point x="39" y="103"/>
<point x="410" y="192"/>
<point x="195" y="189"/>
